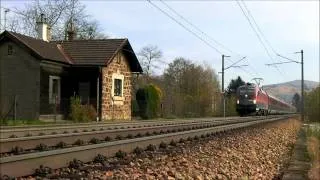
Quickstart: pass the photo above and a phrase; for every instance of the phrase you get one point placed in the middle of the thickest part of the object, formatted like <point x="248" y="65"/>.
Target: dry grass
<point x="314" y="152"/>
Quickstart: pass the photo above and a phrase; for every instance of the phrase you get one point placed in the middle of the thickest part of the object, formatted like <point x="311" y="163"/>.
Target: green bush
<point x="312" y="105"/>
<point x="148" y="99"/>
<point x="81" y="113"/>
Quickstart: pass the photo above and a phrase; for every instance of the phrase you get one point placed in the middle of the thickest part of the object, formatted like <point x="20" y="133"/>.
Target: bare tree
<point x="148" y="55"/>
<point x="59" y="14"/>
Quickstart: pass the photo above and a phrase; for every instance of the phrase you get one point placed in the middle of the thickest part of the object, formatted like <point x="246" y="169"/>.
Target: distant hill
<point x="286" y="90"/>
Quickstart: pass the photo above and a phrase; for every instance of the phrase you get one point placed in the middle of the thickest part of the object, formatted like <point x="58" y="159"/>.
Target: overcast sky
<point x="289" y="26"/>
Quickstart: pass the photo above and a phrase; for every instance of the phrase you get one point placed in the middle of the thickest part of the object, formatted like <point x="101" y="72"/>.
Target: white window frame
<point x="121" y="77"/>
<point x="51" y="99"/>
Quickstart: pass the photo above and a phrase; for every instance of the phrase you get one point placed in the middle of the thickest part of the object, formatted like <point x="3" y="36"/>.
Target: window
<point x="117" y="87"/>
<point x="10" y="50"/>
<point x="54" y="89"/>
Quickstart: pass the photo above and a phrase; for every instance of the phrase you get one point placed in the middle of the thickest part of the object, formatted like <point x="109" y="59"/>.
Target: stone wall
<point x="116" y="107"/>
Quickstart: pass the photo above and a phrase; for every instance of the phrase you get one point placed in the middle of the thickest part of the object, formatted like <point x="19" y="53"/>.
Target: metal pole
<point x="15" y="108"/>
<point x="98" y="93"/>
<point x="222" y="87"/>
<point x="302" y="88"/>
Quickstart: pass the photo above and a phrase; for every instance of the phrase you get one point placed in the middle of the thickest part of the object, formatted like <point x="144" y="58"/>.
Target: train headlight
<point x="254" y="101"/>
<point x="238" y="101"/>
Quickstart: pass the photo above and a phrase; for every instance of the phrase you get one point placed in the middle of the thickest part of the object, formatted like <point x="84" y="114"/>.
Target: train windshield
<point x="245" y="90"/>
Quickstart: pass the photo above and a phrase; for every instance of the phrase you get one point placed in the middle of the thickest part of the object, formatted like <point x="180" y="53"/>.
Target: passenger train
<point x="251" y="99"/>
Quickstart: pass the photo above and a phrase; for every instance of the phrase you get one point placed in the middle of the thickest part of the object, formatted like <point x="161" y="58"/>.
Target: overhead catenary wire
<point x="197" y="28"/>
<point x="254" y="30"/>
<point x="185" y="27"/>
<point x="258" y="30"/>
<point x="207" y="35"/>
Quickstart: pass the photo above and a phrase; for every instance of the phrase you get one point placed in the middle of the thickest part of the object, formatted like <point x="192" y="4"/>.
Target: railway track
<point x="52" y="140"/>
<point x="36" y="130"/>
<point x="27" y="163"/>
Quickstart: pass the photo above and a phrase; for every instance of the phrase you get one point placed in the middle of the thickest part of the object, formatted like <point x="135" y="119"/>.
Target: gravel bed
<point x="260" y="152"/>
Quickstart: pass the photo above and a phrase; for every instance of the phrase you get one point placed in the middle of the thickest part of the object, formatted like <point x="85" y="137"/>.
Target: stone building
<point x="38" y="76"/>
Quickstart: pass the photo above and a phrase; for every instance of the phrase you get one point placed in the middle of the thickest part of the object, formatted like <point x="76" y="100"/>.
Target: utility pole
<point x="222" y="86"/>
<point x="302" y="77"/>
<point x="302" y="87"/>
<point x="222" y="72"/>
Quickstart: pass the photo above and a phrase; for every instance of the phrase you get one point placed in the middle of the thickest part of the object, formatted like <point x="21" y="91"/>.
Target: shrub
<point x="81" y="113"/>
<point x="76" y="110"/>
<point x="148" y="99"/>
<point x="312" y="104"/>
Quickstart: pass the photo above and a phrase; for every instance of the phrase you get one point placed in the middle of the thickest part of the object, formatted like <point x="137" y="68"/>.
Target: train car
<point x="253" y="100"/>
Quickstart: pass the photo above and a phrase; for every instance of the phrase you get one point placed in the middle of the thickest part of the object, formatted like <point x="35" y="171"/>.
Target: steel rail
<point x="104" y="122"/>
<point x="31" y="142"/>
<point x="20" y="132"/>
<point x="22" y="165"/>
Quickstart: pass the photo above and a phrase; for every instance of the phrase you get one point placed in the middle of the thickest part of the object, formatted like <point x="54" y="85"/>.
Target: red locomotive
<point x="253" y="100"/>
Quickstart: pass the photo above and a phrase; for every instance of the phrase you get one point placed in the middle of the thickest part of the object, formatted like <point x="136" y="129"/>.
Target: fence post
<point x="15" y="108"/>
<point x="55" y="108"/>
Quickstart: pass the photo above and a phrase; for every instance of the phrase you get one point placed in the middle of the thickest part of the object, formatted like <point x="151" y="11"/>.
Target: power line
<point x="190" y="25"/>
<point x="205" y="34"/>
<point x="258" y="28"/>
<point x="257" y="34"/>
<point x="255" y="31"/>
<point x="195" y="27"/>
<point x="182" y="25"/>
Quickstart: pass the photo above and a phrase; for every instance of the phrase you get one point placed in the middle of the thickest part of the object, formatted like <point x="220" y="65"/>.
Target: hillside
<point x="286" y="90"/>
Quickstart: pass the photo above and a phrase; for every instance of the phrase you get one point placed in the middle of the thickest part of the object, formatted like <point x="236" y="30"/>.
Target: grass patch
<point x="313" y="143"/>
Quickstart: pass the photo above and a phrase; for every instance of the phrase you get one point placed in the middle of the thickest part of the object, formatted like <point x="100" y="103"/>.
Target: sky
<point x="286" y="26"/>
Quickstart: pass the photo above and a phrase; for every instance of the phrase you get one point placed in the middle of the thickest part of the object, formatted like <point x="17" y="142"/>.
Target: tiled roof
<point x="44" y="49"/>
<point x="79" y="52"/>
<point x="88" y="52"/>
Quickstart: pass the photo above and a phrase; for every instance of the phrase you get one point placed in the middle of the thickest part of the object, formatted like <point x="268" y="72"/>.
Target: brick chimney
<point x="43" y="29"/>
